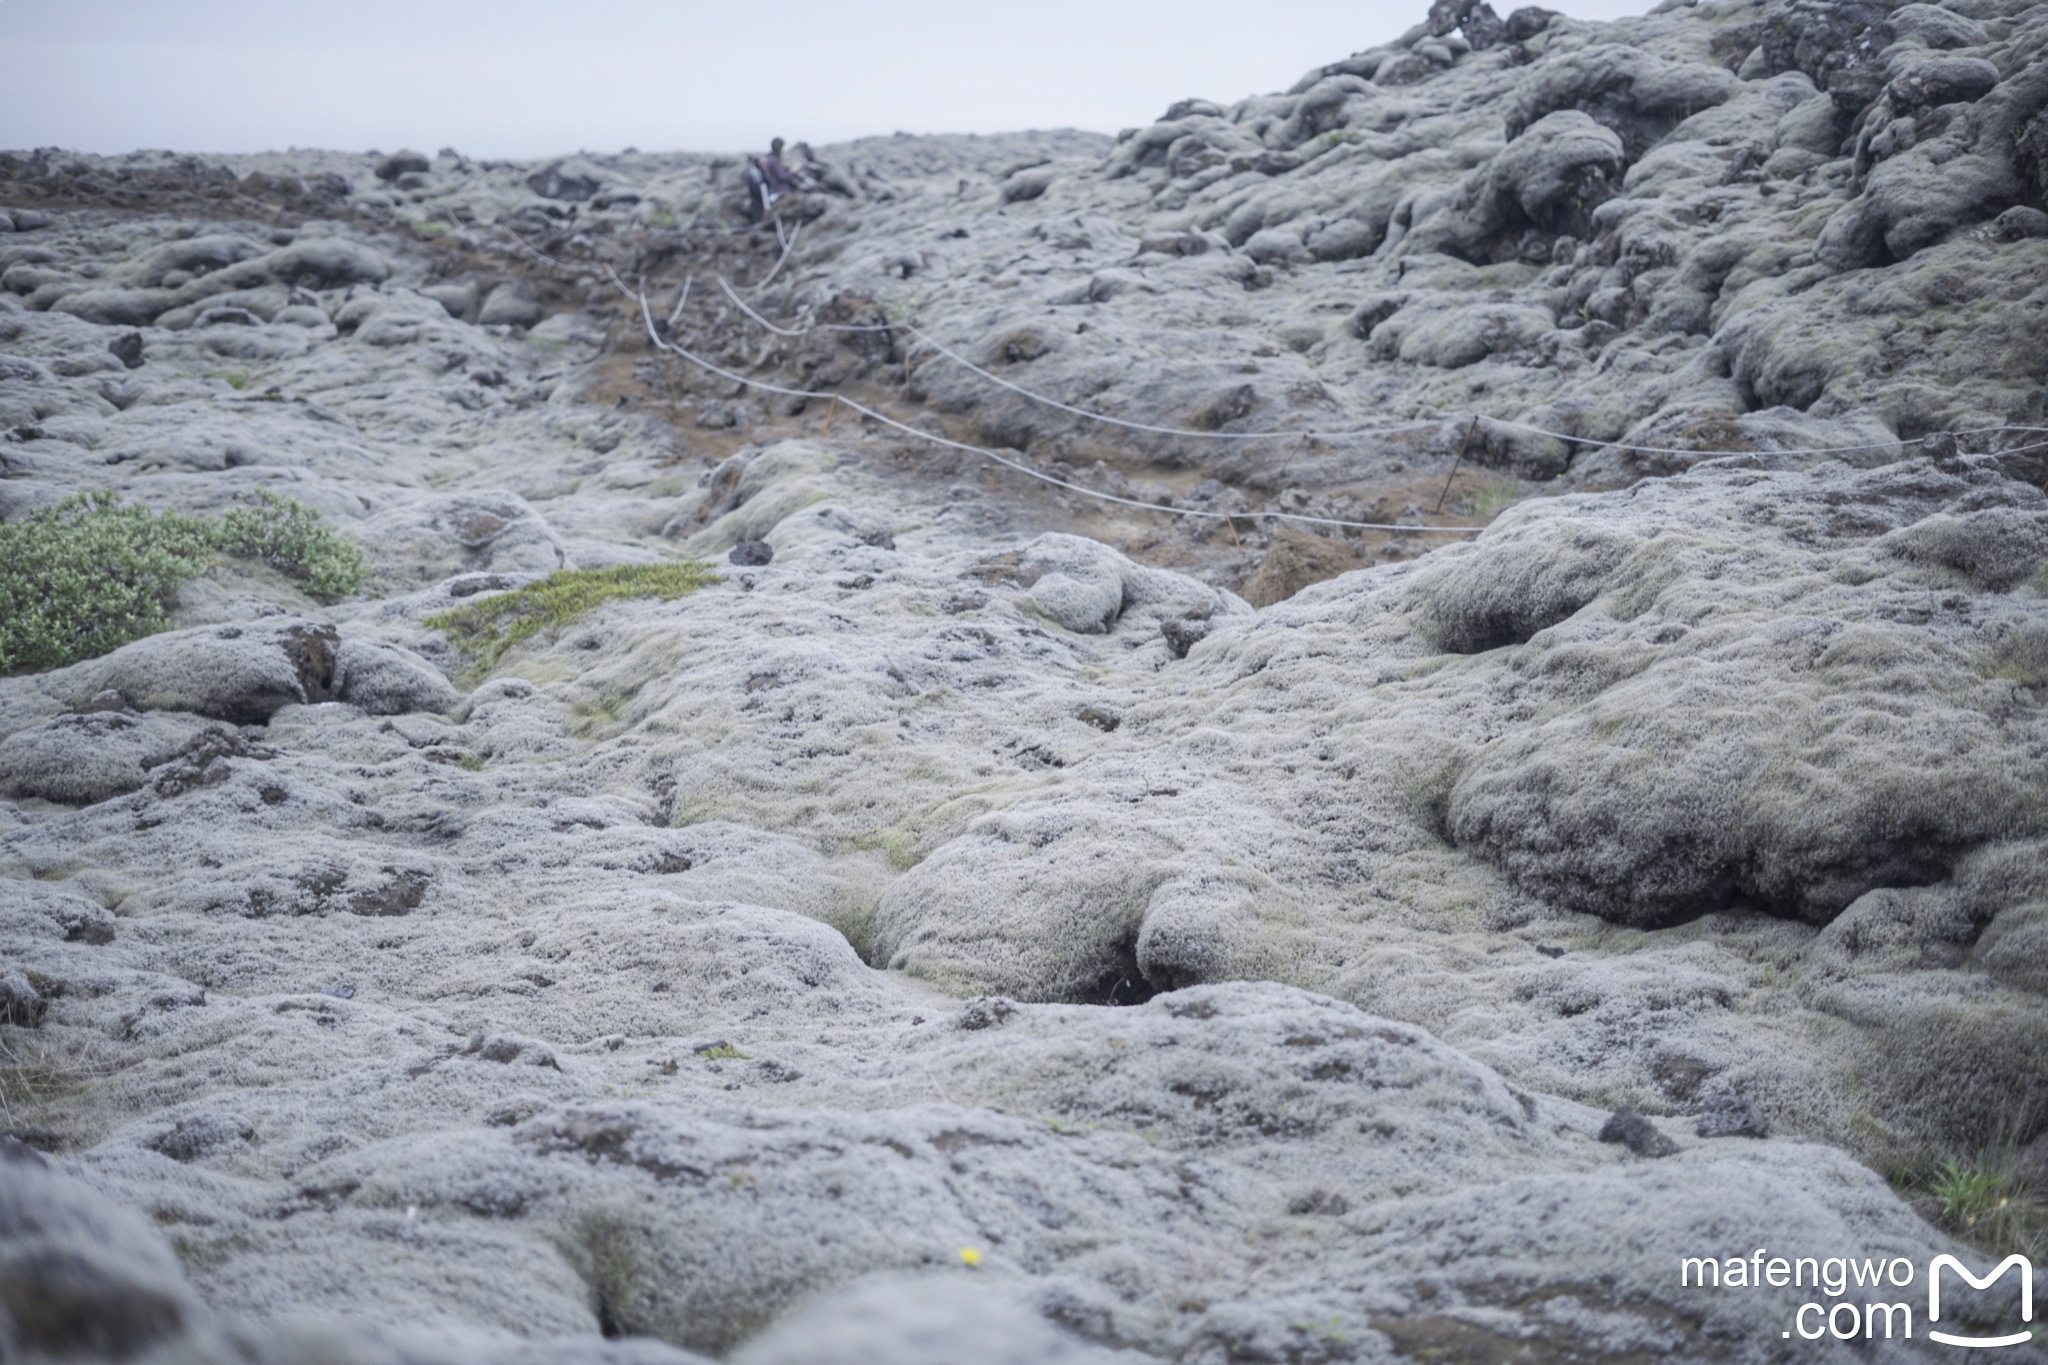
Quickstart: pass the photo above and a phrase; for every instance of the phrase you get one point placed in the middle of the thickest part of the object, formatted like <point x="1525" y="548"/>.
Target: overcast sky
<point x="532" y="78"/>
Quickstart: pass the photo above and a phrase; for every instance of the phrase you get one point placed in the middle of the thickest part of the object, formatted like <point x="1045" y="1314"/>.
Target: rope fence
<point x="1203" y="514"/>
<point x="1298" y="434"/>
<point x="1419" y="424"/>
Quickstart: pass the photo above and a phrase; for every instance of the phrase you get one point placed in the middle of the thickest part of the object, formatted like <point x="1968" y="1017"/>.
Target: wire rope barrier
<point x="1295" y="433"/>
<point x="710" y="367"/>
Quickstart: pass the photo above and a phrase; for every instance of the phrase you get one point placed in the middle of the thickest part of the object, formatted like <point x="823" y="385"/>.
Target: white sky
<point x="531" y="78"/>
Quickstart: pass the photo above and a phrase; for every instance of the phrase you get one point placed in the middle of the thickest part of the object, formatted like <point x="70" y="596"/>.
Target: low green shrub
<point x="89" y="575"/>
<point x="489" y="630"/>
<point x="92" y="573"/>
<point x="288" y="536"/>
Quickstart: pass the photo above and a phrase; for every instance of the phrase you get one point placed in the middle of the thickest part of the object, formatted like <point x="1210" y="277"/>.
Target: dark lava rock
<point x="1528" y="21"/>
<point x="1636" y="1133"/>
<point x="1184" y="632"/>
<point x="402" y="163"/>
<point x="127" y="349"/>
<point x="552" y="183"/>
<point x="750" y="554"/>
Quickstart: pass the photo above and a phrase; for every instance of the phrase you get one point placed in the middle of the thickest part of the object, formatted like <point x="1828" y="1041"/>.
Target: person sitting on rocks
<point x="768" y="180"/>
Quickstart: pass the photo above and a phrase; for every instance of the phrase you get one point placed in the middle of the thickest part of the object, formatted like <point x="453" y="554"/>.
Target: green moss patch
<point x="92" y="573"/>
<point x="489" y="630"/>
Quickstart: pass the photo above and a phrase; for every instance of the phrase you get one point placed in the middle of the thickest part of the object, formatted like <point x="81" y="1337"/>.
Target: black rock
<point x="127" y="349"/>
<point x="1636" y="1133"/>
<point x="1446" y="15"/>
<point x="1483" y="28"/>
<point x="1528" y="21"/>
<point x="402" y="163"/>
<point x="551" y="183"/>
<point x="1185" y="631"/>
<point x="751" y="553"/>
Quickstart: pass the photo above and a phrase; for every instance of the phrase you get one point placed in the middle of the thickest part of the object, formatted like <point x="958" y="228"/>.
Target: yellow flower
<point x="969" y="1256"/>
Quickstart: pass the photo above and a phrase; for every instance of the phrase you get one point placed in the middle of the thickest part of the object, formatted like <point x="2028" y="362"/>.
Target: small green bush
<point x="489" y="630"/>
<point x="92" y="573"/>
<point x="288" y="536"/>
<point x="89" y="575"/>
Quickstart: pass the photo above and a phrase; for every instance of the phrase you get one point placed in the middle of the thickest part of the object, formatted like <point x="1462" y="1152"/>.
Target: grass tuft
<point x="1489" y="498"/>
<point x="489" y="630"/>
<point x="93" y="573"/>
<point x="1988" y="1199"/>
<point x="46" y="1088"/>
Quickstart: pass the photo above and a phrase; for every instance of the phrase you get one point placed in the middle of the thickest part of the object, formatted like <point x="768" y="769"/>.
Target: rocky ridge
<point x="1416" y="966"/>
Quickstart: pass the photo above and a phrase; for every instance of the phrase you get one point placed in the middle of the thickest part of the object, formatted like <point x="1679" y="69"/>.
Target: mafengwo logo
<point x="1879" y="1312"/>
